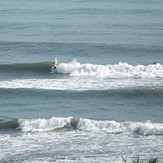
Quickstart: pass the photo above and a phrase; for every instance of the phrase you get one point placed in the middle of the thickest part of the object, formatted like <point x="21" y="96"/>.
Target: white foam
<point x="43" y="124"/>
<point x="120" y="70"/>
<point x="146" y="128"/>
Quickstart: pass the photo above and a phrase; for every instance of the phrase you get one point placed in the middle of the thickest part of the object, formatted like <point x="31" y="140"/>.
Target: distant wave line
<point x="136" y="92"/>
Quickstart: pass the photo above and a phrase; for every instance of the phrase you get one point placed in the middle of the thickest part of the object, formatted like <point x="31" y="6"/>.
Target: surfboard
<point x="53" y="72"/>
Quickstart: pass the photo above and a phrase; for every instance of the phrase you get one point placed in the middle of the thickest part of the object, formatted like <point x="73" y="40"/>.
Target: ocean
<point x="106" y="99"/>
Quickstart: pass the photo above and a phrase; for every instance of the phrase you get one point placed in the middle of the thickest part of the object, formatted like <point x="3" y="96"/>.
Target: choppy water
<point x="105" y="99"/>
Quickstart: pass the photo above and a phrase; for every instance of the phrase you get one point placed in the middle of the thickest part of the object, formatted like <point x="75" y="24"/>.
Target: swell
<point x="26" y="67"/>
<point x="39" y="93"/>
<point x="57" y="124"/>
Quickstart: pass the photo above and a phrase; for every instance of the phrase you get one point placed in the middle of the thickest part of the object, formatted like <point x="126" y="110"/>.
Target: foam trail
<point x="79" y="84"/>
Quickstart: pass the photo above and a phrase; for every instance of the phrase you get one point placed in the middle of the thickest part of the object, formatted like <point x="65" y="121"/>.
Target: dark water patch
<point x="69" y="126"/>
<point x="73" y="123"/>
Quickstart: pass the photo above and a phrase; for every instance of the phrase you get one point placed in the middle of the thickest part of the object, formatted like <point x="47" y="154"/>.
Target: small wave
<point x="120" y="70"/>
<point x="84" y="125"/>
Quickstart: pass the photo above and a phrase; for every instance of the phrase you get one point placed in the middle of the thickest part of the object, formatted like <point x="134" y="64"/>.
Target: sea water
<point x="106" y="99"/>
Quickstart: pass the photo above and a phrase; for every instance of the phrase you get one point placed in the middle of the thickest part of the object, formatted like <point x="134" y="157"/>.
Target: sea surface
<point x="106" y="99"/>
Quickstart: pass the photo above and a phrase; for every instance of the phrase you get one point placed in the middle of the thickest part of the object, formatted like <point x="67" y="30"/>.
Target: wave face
<point x="84" y="125"/>
<point x="13" y="124"/>
<point x="26" y="67"/>
<point x="120" y="70"/>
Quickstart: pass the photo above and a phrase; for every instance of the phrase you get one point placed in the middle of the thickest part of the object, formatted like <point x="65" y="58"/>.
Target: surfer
<point x="54" y="68"/>
<point x="155" y="63"/>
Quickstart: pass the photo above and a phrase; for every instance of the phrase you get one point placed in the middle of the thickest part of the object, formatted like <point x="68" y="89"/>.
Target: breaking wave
<point x="74" y="68"/>
<point x="84" y="125"/>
